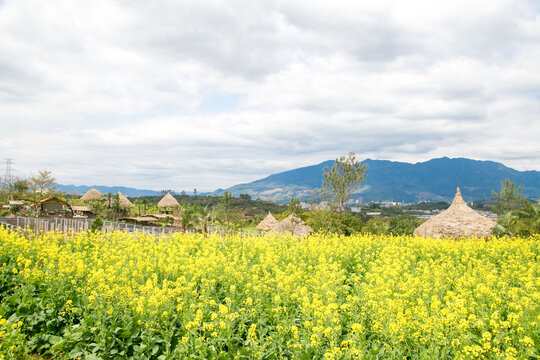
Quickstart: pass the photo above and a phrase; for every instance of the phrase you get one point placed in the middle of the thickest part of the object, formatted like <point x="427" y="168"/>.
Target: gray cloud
<point x="191" y="94"/>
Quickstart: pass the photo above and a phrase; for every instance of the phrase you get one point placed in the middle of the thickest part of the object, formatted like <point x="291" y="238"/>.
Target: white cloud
<point x="168" y="94"/>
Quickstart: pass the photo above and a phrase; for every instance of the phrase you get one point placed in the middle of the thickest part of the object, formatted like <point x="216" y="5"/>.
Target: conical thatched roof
<point x="292" y="224"/>
<point x="267" y="223"/>
<point x="456" y="221"/>
<point x="124" y="201"/>
<point x="92" y="195"/>
<point x="168" y="201"/>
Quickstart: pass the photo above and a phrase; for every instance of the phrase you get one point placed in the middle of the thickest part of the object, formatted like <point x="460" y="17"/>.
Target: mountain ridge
<point x="386" y="180"/>
<point x="128" y="191"/>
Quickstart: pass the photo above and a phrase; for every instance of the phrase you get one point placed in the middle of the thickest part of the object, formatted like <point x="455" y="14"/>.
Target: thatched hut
<point x="124" y="201"/>
<point x="267" y="223"/>
<point x="92" y="195"/>
<point x="54" y="206"/>
<point x="82" y="211"/>
<point x="456" y="221"/>
<point x="292" y="224"/>
<point x="168" y="201"/>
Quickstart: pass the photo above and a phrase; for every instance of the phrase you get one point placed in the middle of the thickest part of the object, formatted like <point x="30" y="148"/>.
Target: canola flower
<point x="328" y="297"/>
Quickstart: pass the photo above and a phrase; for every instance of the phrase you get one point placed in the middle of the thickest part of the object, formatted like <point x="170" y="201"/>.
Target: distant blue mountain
<point x="433" y="180"/>
<point x="131" y="192"/>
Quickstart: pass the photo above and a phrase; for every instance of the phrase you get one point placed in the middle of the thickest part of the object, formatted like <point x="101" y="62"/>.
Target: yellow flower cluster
<point x="324" y="296"/>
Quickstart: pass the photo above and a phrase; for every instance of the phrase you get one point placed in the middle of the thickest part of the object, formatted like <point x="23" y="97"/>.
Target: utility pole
<point x="8" y="177"/>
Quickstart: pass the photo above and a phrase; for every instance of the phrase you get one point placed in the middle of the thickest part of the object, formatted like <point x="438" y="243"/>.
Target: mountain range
<point x="433" y="180"/>
<point x="128" y="191"/>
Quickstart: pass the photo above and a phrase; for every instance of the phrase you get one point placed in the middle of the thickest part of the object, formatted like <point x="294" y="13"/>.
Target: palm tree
<point x="189" y="217"/>
<point x="138" y="204"/>
<point x="144" y="204"/>
<point x="204" y="216"/>
<point x="523" y="221"/>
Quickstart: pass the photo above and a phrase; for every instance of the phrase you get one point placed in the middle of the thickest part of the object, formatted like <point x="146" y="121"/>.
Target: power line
<point x="8" y="177"/>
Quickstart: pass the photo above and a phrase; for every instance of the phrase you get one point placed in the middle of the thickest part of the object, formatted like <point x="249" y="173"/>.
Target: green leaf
<point x="75" y="353"/>
<point x="55" y="340"/>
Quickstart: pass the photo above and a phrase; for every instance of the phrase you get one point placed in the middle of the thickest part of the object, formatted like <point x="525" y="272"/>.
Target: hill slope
<point x="433" y="180"/>
<point x="131" y="192"/>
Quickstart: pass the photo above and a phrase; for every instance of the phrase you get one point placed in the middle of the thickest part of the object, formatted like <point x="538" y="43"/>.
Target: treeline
<point x="243" y="203"/>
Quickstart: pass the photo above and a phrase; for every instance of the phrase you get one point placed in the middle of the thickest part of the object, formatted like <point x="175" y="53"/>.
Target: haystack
<point x="92" y="195"/>
<point x="456" y="221"/>
<point x="292" y="224"/>
<point x="168" y="201"/>
<point x="124" y="201"/>
<point x="267" y="223"/>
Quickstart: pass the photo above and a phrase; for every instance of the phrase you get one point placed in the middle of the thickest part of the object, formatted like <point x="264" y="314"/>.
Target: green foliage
<point x="403" y="225"/>
<point x="524" y="221"/>
<point x="43" y="184"/>
<point x="426" y="205"/>
<point x="96" y="224"/>
<point x="509" y="198"/>
<point x="328" y="222"/>
<point x="20" y="188"/>
<point x="4" y="212"/>
<point x="341" y="181"/>
<point x="376" y="226"/>
<point x="294" y="207"/>
<point x="517" y="215"/>
<point x="226" y="212"/>
<point x="188" y="218"/>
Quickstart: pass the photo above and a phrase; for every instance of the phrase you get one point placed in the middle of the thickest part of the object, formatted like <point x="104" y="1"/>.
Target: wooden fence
<point x="78" y="225"/>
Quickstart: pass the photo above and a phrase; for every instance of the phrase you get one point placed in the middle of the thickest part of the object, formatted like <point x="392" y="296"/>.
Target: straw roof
<point x="92" y="195"/>
<point x="456" y="221"/>
<point x="267" y="223"/>
<point x="53" y="200"/>
<point x="292" y="224"/>
<point x="124" y="201"/>
<point x="84" y="208"/>
<point x="168" y="201"/>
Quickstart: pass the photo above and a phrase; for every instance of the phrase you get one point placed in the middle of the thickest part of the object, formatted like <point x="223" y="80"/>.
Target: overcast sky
<point x="206" y="94"/>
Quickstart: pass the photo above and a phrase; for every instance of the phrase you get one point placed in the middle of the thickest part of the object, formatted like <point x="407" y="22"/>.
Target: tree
<point x="327" y="221"/>
<point x="225" y="210"/>
<point x="117" y="208"/>
<point x="20" y="187"/>
<point x="523" y="221"/>
<point x="42" y="183"/>
<point x="204" y="216"/>
<point x="138" y="206"/>
<point x="508" y="199"/>
<point x="403" y="224"/>
<point x="341" y="181"/>
<point x="295" y="207"/>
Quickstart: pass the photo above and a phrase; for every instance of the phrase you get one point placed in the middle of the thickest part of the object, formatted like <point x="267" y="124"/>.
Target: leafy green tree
<point x="42" y="184"/>
<point x="403" y="224"/>
<point x="116" y="207"/>
<point x="204" y="215"/>
<point x="327" y="221"/>
<point x="341" y="181"/>
<point x="96" y="224"/>
<point x="226" y="211"/>
<point x="188" y="218"/>
<point x="138" y="206"/>
<point x="376" y="226"/>
<point x="524" y="221"/>
<point x="295" y="207"/>
<point x="509" y="198"/>
<point x="20" y="188"/>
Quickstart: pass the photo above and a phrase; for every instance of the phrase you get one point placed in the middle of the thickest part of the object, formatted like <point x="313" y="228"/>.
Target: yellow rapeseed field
<point x="116" y="296"/>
